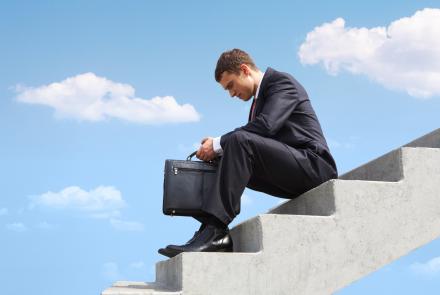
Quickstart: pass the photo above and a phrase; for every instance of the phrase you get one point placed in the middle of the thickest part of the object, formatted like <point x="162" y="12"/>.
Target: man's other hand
<point x="206" y="150"/>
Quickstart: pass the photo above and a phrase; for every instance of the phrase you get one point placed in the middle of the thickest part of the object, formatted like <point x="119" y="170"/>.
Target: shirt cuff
<point x="216" y="145"/>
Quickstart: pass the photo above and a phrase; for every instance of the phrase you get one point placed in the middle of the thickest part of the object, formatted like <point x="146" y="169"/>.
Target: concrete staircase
<point x="323" y="240"/>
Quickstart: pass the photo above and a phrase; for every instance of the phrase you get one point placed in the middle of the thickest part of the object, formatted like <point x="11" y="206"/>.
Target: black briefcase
<point x="186" y="184"/>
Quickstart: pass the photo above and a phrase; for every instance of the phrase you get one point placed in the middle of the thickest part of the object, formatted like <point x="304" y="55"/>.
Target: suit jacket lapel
<point x="250" y="114"/>
<point x="261" y="98"/>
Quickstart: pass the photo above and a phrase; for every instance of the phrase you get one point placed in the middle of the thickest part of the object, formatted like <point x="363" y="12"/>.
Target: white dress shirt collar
<point x="257" y="93"/>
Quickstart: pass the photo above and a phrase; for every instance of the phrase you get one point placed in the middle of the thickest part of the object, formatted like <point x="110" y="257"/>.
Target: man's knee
<point x="239" y="137"/>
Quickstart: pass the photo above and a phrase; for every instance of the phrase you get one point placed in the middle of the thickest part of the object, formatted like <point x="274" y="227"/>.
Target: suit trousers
<point x="266" y="165"/>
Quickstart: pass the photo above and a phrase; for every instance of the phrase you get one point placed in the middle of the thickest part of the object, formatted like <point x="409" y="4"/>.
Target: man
<point x="281" y="150"/>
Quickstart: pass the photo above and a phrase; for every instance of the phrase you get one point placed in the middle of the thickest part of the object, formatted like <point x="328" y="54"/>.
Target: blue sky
<point x="95" y="95"/>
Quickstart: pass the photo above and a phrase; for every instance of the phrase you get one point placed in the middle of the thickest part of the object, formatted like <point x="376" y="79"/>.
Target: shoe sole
<point x="166" y="252"/>
<point x="222" y="250"/>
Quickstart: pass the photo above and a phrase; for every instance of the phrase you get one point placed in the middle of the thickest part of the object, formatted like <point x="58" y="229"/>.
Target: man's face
<point x="241" y="85"/>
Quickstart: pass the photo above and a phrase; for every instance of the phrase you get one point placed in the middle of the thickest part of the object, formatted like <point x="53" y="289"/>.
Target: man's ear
<point x="245" y="69"/>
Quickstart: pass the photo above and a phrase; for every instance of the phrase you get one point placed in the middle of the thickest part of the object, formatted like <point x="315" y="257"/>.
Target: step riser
<point x="430" y="140"/>
<point x="319" y="201"/>
<point x="169" y="272"/>
<point x="247" y="236"/>
<point x="385" y="168"/>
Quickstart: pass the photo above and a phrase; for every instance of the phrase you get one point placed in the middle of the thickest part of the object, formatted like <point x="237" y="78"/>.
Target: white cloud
<point x="16" y="226"/>
<point x="126" y="225"/>
<point x="404" y="56"/>
<point x="430" y="268"/>
<point x="92" y="98"/>
<point x="3" y="211"/>
<point x="101" y="202"/>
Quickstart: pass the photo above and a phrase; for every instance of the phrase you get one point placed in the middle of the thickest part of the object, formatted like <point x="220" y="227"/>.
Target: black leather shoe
<point x="210" y="239"/>
<point x="166" y="252"/>
<point x="170" y="253"/>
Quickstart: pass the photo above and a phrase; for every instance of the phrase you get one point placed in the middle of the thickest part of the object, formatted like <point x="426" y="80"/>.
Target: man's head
<point x="238" y="74"/>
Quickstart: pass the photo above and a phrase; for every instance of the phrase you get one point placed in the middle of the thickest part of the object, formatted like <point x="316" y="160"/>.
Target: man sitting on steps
<point x="281" y="151"/>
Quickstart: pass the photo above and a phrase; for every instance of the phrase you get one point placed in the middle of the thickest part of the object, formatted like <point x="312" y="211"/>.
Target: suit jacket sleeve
<point x="281" y="98"/>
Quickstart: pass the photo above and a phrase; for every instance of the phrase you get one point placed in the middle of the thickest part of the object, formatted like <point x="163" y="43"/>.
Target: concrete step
<point x="328" y="237"/>
<point x="385" y="168"/>
<point x="204" y="273"/>
<point x="430" y="140"/>
<point x="389" y="166"/>
<point x="139" y="288"/>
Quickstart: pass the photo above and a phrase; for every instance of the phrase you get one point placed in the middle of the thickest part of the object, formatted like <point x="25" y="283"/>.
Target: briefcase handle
<point x="190" y="156"/>
<point x="195" y="152"/>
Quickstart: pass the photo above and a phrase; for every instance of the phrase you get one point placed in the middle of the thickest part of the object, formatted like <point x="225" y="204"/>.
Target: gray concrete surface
<point x="135" y="288"/>
<point x="323" y="240"/>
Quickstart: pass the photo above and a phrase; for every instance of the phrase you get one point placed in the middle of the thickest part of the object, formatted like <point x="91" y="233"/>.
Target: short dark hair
<point x="230" y="61"/>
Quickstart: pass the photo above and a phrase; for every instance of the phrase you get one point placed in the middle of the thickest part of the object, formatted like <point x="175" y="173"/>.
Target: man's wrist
<point x="216" y="145"/>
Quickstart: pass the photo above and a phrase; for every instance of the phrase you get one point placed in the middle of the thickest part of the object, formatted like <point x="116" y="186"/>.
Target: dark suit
<point x="281" y="151"/>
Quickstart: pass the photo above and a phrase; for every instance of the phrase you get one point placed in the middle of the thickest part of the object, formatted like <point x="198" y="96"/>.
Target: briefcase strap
<point x="195" y="152"/>
<point x="190" y="156"/>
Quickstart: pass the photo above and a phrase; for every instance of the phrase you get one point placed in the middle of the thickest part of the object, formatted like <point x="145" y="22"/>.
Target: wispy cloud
<point x="126" y="225"/>
<point x="92" y="98"/>
<point x="103" y="201"/>
<point x="3" y="211"/>
<point x="16" y="226"/>
<point x="403" y="56"/>
<point x="428" y="269"/>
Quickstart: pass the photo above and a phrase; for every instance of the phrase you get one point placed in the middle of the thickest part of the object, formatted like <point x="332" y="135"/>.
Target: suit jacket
<point x="283" y="112"/>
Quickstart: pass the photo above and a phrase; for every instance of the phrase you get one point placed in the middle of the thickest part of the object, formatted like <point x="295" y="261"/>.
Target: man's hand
<point x="206" y="151"/>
